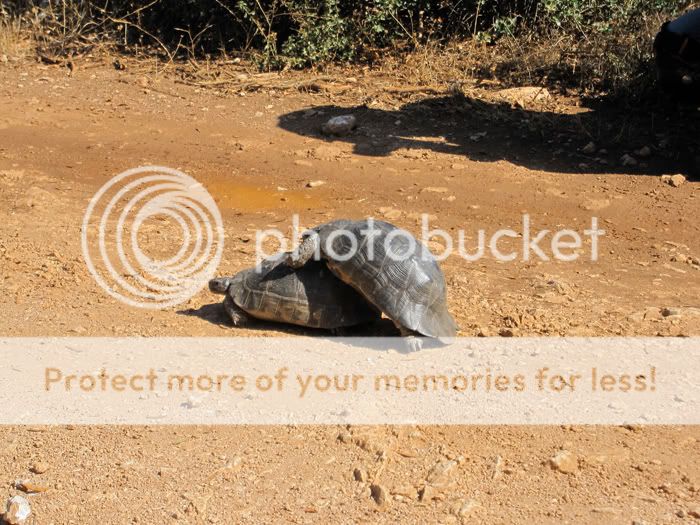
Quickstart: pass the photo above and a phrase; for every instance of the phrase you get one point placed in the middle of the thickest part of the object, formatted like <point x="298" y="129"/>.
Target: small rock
<point x="341" y="125"/>
<point x="434" y="189"/>
<point x="345" y="437"/>
<point x="39" y="467"/>
<point x="628" y="160"/>
<point x="359" y="474"/>
<point x="564" y="461"/>
<point x="676" y="180"/>
<point x="440" y="473"/>
<point x="643" y="152"/>
<point x="669" y="311"/>
<point x="315" y="183"/>
<point x="30" y="487"/>
<point x="694" y="511"/>
<point x="379" y="494"/>
<point x="483" y="331"/>
<point x="458" y="166"/>
<point x="505" y="332"/>
<point x="3" y="59"/>
<point x="589" y="148"/>
<point x="390" y="213"/>
<point x="17" y="510"/>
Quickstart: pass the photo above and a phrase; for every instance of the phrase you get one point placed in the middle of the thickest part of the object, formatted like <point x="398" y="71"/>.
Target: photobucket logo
<point x="504" y="244"/>
<point x="159" y="197"/>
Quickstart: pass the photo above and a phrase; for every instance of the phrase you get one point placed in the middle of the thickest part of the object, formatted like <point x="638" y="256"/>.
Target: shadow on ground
<point x="215" y="314"/>
<point x="539" y="140"/>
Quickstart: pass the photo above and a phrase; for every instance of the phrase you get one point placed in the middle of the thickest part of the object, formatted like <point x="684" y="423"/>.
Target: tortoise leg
<point x="304" y="252"/>
<point x="412" y="339"/>
<point x="239" y="317"/>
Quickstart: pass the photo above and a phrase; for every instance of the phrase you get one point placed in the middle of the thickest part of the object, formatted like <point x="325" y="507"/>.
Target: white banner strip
<point x="304" y="380"/>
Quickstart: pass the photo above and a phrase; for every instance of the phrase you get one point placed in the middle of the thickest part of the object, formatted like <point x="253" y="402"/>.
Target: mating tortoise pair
<point x="374" y="267"/>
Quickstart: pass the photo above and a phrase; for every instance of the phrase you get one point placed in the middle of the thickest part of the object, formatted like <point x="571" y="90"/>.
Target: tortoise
<point x="310" y="296"/>
<point x="389" y="267"/>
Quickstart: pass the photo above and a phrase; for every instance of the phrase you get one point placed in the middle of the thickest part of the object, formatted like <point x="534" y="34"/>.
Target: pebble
<point x="17" y="510"/>
<point x="589" y="148"/>
<point x="30" y="487"/>
<point x="341" y="125"/>
<point x="315" y="183"/>
<point x="628" y="160"/>
<point x="359" y="474"/>
<point x="669" y="311"/>
<point x="441" y="472"/>
<point x="390" y="213"/>
<point x="564" y="461"/>
<point x="694" y="511"/>
<point x="39" y="467"/>
<point x="379" y="494"/>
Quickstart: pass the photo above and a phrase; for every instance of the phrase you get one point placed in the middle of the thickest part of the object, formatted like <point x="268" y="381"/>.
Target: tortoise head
<point x="221" y="285"/>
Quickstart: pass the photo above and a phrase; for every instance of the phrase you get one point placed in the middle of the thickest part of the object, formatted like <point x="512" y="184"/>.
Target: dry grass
<point x="618" y="63"/>
<point x="14" y="42"/>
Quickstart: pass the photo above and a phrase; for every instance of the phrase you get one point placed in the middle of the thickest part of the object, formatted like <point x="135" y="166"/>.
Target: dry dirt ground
<point x="471" y="162"/>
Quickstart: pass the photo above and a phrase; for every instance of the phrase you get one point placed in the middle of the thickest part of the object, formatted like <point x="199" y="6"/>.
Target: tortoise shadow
<point x="545" y="140"/>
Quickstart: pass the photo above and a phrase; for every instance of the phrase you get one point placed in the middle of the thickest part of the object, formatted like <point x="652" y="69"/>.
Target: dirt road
<point x="62" y="137"/>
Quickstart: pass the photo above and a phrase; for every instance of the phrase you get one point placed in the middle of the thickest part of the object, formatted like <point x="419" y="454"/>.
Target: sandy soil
<point x="62" y="137"/>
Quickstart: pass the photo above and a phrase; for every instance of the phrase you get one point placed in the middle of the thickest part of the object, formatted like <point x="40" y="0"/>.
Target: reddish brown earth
<point x="62" y="137"/>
